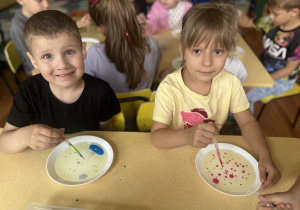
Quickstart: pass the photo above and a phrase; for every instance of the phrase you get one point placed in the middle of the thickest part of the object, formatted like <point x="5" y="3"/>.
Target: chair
<point x="294" y="91"/>
<point x="144" y="116"/>
<point x="13" y="59"/>
<point x="130" y="102"/>
<point x="119" y="122"/>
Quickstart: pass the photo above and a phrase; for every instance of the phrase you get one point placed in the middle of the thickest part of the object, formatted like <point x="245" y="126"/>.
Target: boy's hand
<point x="201" y="134"/>
<point x="44" y="137"/>
<point x="268" y="173"/>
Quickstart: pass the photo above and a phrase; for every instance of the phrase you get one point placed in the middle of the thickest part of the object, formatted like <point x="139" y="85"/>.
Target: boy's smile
<point x="60" y="59"/>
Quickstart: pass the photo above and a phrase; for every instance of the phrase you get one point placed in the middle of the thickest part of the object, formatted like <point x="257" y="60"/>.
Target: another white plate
<point x="238" y="177"/>
<point x="176" y="33"/>
<point x="239" y="52"/>
<point x="89" y="41"/>
<point x="66" y="167"/>
<point x="176" y="63"/>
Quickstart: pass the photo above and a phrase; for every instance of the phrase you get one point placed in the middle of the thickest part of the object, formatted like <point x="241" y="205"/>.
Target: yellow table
<point x="257" y="74"/>
<point x="140" y="177"/>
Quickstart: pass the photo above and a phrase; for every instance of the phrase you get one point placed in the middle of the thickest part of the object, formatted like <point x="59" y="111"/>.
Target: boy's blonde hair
<point x="284" y="4"/>
<point x="49" y="24"/>
<point x="213" y="22"/>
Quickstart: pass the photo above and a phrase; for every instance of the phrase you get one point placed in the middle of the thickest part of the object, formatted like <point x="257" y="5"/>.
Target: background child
<point x="29" y="8"/>
<point x="201" y="91"/>
<point x="281" y="42"/>
<point x="62" y="96"/>
<point x="127" y="60"/>
<point x="164" y="14"/>
<point x="288" y="200"/>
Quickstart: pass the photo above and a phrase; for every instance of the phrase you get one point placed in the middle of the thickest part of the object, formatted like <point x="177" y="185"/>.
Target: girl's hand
<point x="142" y="20"/>
<point x="201" y="134"/>
<point x="269" y="174"/>
<point x="44" y="137"/>
<point x="84" y="21"/>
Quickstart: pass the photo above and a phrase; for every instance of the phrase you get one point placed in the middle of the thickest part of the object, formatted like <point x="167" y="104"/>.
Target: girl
<point x="202" y="91"/>
<point x="164" y="14"/>
<point x="127" y="60"/>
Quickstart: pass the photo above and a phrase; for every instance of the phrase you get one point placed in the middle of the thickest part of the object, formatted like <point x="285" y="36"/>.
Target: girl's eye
<point x="47" y="56"/>
<point x="69" y="52"/>
<point x="196" y="51"/>
<point x="218" y="52"/>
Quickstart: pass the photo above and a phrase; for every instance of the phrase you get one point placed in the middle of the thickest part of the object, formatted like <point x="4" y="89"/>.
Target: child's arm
<point x="252" y="133"/>
<point x="284" y="200"/>
<point x="200" y="135"/>
<point x="244" y="20"/>
<point x="84" y="21"/>
<point x="107" y="125"/>
<point x="38" y="137"/>
<point x="285" y="71"/>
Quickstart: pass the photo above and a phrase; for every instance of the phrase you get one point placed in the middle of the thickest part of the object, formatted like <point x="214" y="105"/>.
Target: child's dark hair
<point x="213" y="22"/>
<point x="284" y="4"/>
<point x="48" y="24"/>
<point x="126" y="43"/>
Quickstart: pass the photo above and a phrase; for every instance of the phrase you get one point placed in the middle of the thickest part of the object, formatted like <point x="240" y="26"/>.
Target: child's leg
<point x="258" y="93"/>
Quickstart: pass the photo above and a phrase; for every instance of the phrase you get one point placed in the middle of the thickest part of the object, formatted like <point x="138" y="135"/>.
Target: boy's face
<point x="60" y="59"/>
<point x="169" y="4"/>
<point x="203" y="62"/>
<point x="281" y="17"/>
<point x="30" y="7"/>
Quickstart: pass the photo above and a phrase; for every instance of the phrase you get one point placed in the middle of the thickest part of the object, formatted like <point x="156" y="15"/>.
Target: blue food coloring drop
<point x="96" y="149"/>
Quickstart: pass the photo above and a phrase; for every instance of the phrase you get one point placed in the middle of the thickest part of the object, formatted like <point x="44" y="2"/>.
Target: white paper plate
<point x="239" y="52"/>
<point x="176" y="33"/>
<point x="89" y="41"/>
<point x="238" y="177"/>
<point x="66" y="167"/>
<point x="176" y="63"/>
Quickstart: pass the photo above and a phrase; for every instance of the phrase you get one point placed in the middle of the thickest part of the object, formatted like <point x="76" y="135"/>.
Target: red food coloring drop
<point x="231" y="176"/>
<point x="243" y="166"/>
<point x="216" y="181"/>
<point x="225" y="176"/>
<point x="219" y="174"/>
<point x="243" y="171"/>
<point x="211" y="174"/>
<point x="217" y="166"/>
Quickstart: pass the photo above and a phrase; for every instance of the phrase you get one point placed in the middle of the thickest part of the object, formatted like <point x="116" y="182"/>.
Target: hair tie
<point x="127" y="35"/>
<point x="94" y="1"/>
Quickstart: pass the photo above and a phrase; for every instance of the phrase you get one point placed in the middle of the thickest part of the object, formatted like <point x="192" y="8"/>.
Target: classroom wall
<point x="6" y="3"/>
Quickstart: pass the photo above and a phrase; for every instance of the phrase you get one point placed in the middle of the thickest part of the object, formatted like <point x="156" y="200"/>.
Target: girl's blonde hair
<point x="212" y="22"/>
<point x="126" y="43"/>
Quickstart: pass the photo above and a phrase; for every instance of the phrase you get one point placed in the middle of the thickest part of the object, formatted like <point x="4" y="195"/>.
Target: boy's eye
<point x="218" y="52"/>
<point x="196" y="51"/>
<point x="47" y="56"/>
<point x="69" y="52"/>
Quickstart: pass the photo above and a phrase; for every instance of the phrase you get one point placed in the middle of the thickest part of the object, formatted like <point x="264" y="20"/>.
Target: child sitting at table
<point x="62" y="96"/>
<point x="192" y="103"/>
<point x="29" y="8"/>
<point x="127" y="60"/>
<point x="164" y="14"/>
<point x="281" y="42"/>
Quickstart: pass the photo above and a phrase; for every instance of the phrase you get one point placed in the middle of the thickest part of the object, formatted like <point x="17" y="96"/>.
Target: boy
<point x="62" y="96"/>
<point x="281" y="42"/>
<point x="192" y="103"/>
<point x="29" y="8"/>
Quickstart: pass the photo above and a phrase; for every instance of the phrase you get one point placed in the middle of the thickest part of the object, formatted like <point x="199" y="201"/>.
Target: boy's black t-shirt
<point x="279" y="46"/>
<point x="34" y="103"/>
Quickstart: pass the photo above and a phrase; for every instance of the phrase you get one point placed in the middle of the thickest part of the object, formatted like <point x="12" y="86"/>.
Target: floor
<point x="276" y="120"/>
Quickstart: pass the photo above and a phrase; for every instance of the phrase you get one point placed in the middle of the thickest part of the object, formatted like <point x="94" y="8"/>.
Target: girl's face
<point x="30" y="7"/>
<point x="203" y="62"/>
<point x="60" y="60"/>
<point x="169" y="4"/>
